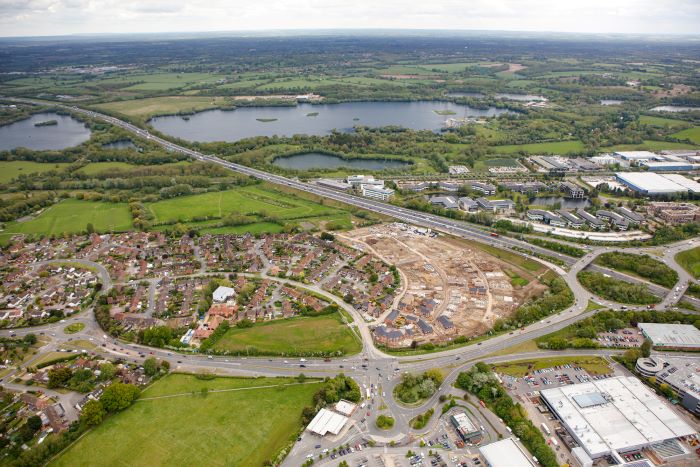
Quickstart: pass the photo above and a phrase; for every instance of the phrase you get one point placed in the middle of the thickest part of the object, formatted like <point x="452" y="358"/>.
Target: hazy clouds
<point x="48" y="17"/>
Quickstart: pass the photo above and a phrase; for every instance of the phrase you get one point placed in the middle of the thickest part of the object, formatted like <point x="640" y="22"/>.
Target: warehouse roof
<point x="686" y="182"/>
<point x="614" y="414"/>
<point x="505" y="453"/>
<point x="326" y="421"/>
<point x="672" y="335"/>
<point x="650" y="182"/>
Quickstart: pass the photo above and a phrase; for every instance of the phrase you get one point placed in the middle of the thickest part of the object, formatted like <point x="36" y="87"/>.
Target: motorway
<point x="382" y="370"/>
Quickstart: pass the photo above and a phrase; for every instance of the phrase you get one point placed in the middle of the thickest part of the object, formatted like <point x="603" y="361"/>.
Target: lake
<point x="520" y="97"/>
<point x="566" y="203"/>
<point x="245" y="122"/>
<point x="120" y="144"/>
<point x="318" y="160"/>
<point x="610" y="102"/>
<point x="674" y="108"/>
<point x="66" y="133"/>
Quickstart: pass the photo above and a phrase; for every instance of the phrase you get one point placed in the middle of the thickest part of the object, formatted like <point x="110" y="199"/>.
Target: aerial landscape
<point x="386" y="235"/>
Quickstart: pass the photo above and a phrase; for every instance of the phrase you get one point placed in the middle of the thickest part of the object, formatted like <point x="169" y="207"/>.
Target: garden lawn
<point x="304" y="335"/>
<point x="520" y="368"/>
<point x="249" y="200"/>
<point x="245" y="427"/>
<point x="73" y="216"/>
<point x="690" y="260"/>
<point x="10" y="170"/>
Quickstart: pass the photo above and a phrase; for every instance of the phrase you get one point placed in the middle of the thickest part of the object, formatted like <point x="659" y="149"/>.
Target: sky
<point x="65" y="17"/>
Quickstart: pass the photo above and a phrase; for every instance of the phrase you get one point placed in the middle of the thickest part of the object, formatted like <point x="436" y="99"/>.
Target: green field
<point x="649" y="145"/>
<point x="149" y="107"/>
<point x="661" y="122"/>
<point x="160" y="81"/>
<point x="556" y="147"/>
<point x="520" y="368"/>
<point x="305" y="335"/>
<point x="690" y="260"/>
<point x="244" y="427"/>
<point x="693" y="134"/>
<point x="10" y="170"/>
<point x="73" y="216"/>
<point x="249" y="200"/>
<point x="99" y="167"/>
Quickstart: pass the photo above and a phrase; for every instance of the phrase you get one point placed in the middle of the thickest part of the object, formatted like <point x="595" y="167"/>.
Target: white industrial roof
<point x="631" y="415"/>
<point x="345" y="407"/>
<point x="686" y="182"/>
<point x="221" y="294"/>
<point x="672" y="335"/>
<point x="651" y="182"/>
<point x="326" y="421"/>
<point x="505" y="453"/>
<point x="636" y="155"/>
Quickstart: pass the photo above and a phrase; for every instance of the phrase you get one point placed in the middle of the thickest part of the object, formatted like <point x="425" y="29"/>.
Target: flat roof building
<point x="636" y="155"/>
<point x="668" y="165"/>
<point x="221" y="294"/>
<point x="505" y="453"/>
<point x="649" y="183"/>
<point x="464" y="426"/>
<point x="377" y="192"/>
<point x="334" y="184"/>
<point x="671" y="336"/>
<point x="691" y="185"/>
<point x="682" y="374"/>
<point x="614" y="416"/>
<point x="326" y="422"/>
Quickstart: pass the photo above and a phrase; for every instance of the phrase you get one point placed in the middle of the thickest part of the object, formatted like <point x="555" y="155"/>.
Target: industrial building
<point x="650" y="183"/>
<point x="326" y="422"/>
<point x="334" y="184"/>
<point x="464" y="427"/>
<point x="505" y="453"/>
<point x="672" y="336"/>
<point x="682" y="374"/>
<point x="637" y="156"/>
<point x="616" y="416"/>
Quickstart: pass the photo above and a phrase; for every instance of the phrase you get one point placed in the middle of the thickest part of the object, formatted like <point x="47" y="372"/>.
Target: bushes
<point x="421" y="420"/>
<point x="560" y="247"/>
<point x="414" y="388"/>
<point x="482" y="382"/>
<point x="641" y="265"/>
<point x="616" y="290"/>
<point x="385" y="422"/>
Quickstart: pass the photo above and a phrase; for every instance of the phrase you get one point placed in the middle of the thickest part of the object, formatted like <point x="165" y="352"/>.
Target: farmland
<point x="306" y="335"/>
<point x="72" y="216"/>
<point x="145" y="108"/>
<point x="252" y="201"/>
<point x="152" y="432"/>
<point x="10" y="170"/>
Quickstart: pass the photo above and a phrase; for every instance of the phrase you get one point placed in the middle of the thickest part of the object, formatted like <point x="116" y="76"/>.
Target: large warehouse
<point x="615" y="416"/>
<point x="505" y="453"/>
<point x="651" y="183"/>
<point x="672" y="336"/>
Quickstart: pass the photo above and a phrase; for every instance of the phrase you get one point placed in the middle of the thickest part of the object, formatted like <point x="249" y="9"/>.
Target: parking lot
<point x="546" y="378"/>
<point x="622" y="338"/>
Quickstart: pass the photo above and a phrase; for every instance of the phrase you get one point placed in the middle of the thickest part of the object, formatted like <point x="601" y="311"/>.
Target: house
<point x="631" y="216"/>
<point x="571" y="219"/>
<point x="613" y="218"/>
<point x="445" y="322"/>
<point x="485" y="188"/>
<point x="591" y="220"/>
<point x="467" y="204"/>
<point x="446" y="202"/>
<point x="573" y="190"/>
<point x="424" y="327"/>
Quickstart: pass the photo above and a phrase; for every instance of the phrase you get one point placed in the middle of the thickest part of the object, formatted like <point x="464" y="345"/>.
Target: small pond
<point x="318" y="160"/>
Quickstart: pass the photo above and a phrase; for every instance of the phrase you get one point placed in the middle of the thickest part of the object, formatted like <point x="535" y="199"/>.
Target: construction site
<point x="448" y="287"/>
